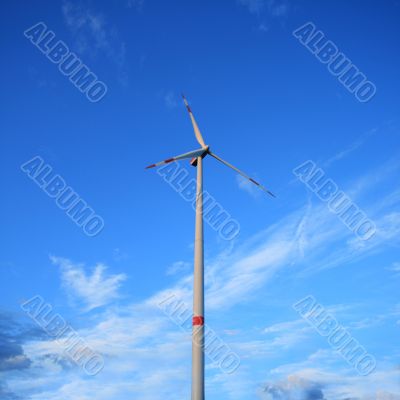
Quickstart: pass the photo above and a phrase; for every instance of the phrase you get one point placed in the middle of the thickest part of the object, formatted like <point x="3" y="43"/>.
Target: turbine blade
<point x="194" y="123"/>
<point x="241" y="173"/>
<point x="190" y="154"/>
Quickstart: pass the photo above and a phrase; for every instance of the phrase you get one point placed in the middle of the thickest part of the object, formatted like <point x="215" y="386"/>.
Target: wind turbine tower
<point x="197" y="157"/>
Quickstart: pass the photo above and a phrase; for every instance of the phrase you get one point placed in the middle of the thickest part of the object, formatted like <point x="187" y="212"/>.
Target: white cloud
<point x="285" y="326"/>
<point x="148" y="357"/>
<point x="293" y="388"/>
<point x="395" y="267"/>
<point x="178" y="267"/>
<point x="302" y="238"/>
<point x="263" y="27"/>
<point x="274" y="8"/>
<point x="136" y="4"/>
<point x="92" y="32"/>
<point x="119" y="255"/>
<point x="352" y="147"/>
<point x="278" y="8"/>
<point x="93" y="290"/>
<point x="170" y="99"/>
<point x="335" y="381"/>
<point x="247" y="186"/>
<point x="254" y="6"/>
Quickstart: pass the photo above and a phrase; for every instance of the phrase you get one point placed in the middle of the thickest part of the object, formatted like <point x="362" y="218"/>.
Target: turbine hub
<point x="193" y="161"/>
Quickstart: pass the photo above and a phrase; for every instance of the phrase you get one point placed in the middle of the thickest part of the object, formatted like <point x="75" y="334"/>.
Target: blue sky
<point x="264" y="103"/>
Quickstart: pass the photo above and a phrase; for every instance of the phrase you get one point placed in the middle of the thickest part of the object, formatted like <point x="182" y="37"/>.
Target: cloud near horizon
<point x="139" y="343"/>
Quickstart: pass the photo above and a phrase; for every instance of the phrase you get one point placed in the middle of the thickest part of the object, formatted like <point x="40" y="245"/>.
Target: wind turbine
<point x="198" y="284"/>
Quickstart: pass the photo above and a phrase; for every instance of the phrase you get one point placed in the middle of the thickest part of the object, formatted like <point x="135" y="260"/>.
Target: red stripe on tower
<point x="198" y="320"/>
<point x="169" y="160"/>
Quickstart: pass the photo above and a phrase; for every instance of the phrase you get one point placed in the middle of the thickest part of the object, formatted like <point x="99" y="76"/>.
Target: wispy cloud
<point x="274" y="8"/>
<point x="267" y="12"/>
<point x="395" y="267"/>
<point x="136" y="4"/>
<point x="119" y="255"/>
<point x="352" y="147"/>
<point x="136" y="341"/>
<point x="312" y="237"/>
<point x="178" y="267"/>
<point x="93" y="34"/>
<point x="94" y="290"/>
<point x="170" y="99"/>
<point x="274" y="340"/>
<point x="247" y="186"/>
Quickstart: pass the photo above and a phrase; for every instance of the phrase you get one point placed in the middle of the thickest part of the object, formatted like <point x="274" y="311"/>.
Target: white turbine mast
<point x="198" y="284"/>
